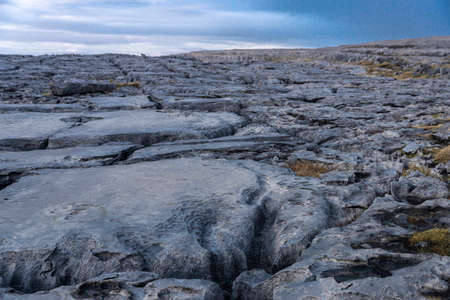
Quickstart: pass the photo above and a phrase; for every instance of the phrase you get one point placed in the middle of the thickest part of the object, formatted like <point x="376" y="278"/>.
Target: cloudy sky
<point x="157" y="27"/>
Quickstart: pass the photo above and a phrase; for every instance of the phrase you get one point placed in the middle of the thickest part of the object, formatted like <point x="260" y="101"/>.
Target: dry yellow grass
<point x="380" y="69"/>
<point x="405" y="75"/>
<point x="387" y="69"/>
<point x="431" y="150"/>
<point x="386" y="65"/>
<point x="436" y="240"/>
<point x="443" y="155"/>
<point x="135" y="84"/>
<point x="428" y="127"/>
<point x="48" y="94"/>
<point x="415" y="167"/>
<point x="416" y="220"/>
<point x="306" y="168"/>
<point x="427" y="136"/>
<point x="440" y="117"/>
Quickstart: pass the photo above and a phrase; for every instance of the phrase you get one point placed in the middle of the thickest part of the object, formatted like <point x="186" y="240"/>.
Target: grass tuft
<point x="441" y="117"/>
<point x="443" y="155"/>
<point x="415" y="167"/>
<point x="396" y="71"/>
<point x="415" y="220"/>
<point x="436" y="240"/>
<point x="428" y="127"/>
<point x="135" y="84"/>
<point x="306" y="168"/>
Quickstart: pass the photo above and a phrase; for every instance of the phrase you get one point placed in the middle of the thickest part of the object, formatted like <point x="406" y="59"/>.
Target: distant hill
<point x="422" y="57"/>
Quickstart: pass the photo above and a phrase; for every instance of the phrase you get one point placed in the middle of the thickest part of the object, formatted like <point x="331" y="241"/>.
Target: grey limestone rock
<point x="122" y="103"/>
<point x="171" y="233"/>
<point x="145" y="127"/>
<point x="246" y="284"/>
<point x="16" y="161"/>
<point x="412" y="148"/>
<point x="224" y="144"/>
<point x="419" y="189"/>
<point x="29" y="131"/>
<point x="136" y="177"/>
<point x="44" y="108"/>
<point x="204" y="104"/>
<point x="172" y="217"/>
<point x="7" y="67"/>
<point x="77" y="86"/>
<point x="419" y="282"/>
<point x="182" y="289"/>
<point x="443" y="134"/>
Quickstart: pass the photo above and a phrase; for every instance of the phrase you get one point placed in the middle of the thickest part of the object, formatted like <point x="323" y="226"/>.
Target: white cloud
<point x="148" y="26"/>
<point x="156" y="47"/>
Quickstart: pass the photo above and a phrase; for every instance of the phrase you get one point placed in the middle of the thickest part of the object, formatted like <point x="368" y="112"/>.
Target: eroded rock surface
<point x="247" y="174"/>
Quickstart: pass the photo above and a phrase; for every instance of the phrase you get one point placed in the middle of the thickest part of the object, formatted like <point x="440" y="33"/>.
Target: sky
<point x="160" y="27"/>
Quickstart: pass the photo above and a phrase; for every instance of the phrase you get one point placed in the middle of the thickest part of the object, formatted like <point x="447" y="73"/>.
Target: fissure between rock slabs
<point x="9" y="178"/>
<point x="375" y="267"/>
<point x="254" y="258"/>
<point x="122" y="156"/>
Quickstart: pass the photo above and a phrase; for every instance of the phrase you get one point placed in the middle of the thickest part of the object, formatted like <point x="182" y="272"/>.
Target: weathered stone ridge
<point x="244" y="174"/>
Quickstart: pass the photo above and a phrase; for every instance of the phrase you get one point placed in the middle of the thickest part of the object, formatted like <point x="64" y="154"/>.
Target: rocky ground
<point x="262" y="174"/>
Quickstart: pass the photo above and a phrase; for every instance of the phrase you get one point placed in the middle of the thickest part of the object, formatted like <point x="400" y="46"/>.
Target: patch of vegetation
<point x="410" y="75"/>
<point x="422" y="169"/>
<point x="441" y="117"/>
<point x="427" y="136"/>
<point x="436" y="240"/>
<point x="415" y="220"/>
<point x="307" y="168"/>
<point x="430" y="150"/>
<point x="119" y="85"/>
<point x="424" y="219"/>
<point x="395" y="70"/>
<point x="48" y="94"/>
<point x="135" y="84"/>
<point x="428" y="127"/>
<point x="410" y="155"/>
<point x="443" y="155"/>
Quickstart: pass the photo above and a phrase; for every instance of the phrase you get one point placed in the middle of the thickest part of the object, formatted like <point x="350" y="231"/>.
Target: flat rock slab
<point x="122" y="103"/>
<point x="146" y="128"/>
<point x="171" y="217"/>
<point x="194" y="289"/>
<point x="204" y="104"/>
<point x="418" y="282"/>
<point x="182" y="218"/>
<point x="45" y="108"/>
<point x="160" y="152"/>
<point x="126" y="286"/>
<point x="443" y="133"/>
<point x="244" y="143"/>
<point x="7" y="67"/>
<point x="76" y="86"/>
<point x="16" y="161"/>
<point x="28" y="131"/>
